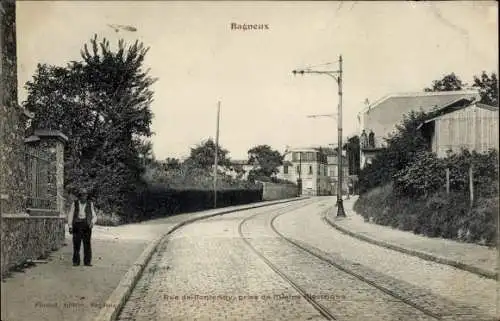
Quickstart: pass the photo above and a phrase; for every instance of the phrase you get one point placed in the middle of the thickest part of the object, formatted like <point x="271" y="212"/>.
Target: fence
<point x="40" y="180"/>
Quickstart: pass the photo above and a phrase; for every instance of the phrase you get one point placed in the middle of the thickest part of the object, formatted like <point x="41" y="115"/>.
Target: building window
<point x="310" y="156"/>
<point x="285" y="169"/>
<point x="297" y="156"/>
<point x="310" y="170"/>
<point x="326" y="170"/>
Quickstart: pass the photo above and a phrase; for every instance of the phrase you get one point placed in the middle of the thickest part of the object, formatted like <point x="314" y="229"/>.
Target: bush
<point x="427" y="175"/>
<point x="402" y="149"/>
<point x="423" y="177"/>
<point x="108" y="219"/>
<point x="439" y="215"/>
<point x="166" y="191"/>
<point x="480" y="225"/>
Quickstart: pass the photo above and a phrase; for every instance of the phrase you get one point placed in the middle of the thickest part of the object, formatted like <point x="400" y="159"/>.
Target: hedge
<point x="159" y="200"/>
<point x="439" y="215"/>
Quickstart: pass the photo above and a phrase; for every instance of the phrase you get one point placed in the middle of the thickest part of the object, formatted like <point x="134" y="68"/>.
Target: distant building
<point x="382" y="116"/>
<point x="310" y="165"/>
<point x="465" y="124"/>
<point x="333" y="172"/>
<point x="239" y="169"/>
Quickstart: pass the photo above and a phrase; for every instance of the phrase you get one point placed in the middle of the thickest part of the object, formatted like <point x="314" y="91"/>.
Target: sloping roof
<point x="484" y="106"/>
<point x="452" y="108"/>
<point x="424" y="100"/>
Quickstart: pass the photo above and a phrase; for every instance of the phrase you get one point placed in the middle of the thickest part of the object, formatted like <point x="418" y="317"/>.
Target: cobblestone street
<point x="207" y="271"/>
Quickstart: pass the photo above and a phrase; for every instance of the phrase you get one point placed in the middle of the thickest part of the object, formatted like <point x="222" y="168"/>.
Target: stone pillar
<point x="52" y="143"/>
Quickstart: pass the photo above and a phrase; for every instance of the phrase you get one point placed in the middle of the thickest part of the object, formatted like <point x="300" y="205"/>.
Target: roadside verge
<point x="335" y="223"/>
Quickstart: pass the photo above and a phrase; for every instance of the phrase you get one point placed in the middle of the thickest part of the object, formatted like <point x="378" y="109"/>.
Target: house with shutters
<point x="309" y="166"/>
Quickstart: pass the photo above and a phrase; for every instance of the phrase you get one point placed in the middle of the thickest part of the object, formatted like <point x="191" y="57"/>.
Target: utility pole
<point x="300" y="173"/>
<point x="348" y="166"/>
<point x="216" y="155"/>
<point x="338" y="79"/>
<point x="340" y="203"/>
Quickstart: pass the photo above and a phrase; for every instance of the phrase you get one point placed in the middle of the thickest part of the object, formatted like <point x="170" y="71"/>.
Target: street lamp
<point x="337" y="75"/>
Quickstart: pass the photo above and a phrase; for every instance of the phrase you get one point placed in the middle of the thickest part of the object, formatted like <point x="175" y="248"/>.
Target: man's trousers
<point x="82" y="233"/>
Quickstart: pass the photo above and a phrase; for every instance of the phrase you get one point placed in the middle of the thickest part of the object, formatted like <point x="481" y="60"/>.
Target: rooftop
<point x="424" y="100"/>
<point x="455" y="107"/>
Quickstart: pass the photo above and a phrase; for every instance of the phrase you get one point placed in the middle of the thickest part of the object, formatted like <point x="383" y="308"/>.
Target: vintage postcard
<point x="249" y="160"/>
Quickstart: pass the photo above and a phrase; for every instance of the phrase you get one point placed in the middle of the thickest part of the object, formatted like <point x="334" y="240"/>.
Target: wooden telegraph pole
<point x="216" y="155"/>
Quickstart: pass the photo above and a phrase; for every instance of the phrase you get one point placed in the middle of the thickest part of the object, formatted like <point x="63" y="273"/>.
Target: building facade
<point x="309" y="166"/>
<point x="239" y="169"/>
<point x="333" y="173"/>
<point x="379" y="119"/>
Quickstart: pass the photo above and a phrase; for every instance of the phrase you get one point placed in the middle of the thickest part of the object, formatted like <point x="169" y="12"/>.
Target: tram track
<point x="352" y="272"/>
<point x="317" y="305"/>
<point x="321" y="308"/>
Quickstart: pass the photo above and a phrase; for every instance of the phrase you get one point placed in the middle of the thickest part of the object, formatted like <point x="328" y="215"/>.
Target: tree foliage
<point x="352" y="148"/>
<point x="486" y="84"/>
<point x="488" y="88"/>
<point x="102" y="103"/>
<point x="265" y="160"/>
<point x="203" y="155"/>
<point x="449" y="82"/>
<point x="172" y="163"/>
<point x="402" y="149"/>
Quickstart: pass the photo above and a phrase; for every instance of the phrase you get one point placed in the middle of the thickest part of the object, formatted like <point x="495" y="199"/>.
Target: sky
<point x="387" y="47"/>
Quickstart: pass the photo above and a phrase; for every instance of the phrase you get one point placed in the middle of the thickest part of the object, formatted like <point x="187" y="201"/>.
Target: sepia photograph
<point x="249" y="160"/>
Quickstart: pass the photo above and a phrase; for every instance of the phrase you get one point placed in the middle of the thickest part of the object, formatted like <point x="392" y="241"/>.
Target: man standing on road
<point x="81" y="219"/>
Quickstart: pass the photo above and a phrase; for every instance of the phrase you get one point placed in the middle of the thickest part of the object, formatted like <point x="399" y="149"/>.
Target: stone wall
<point x="272" y="191"/>
<point x="12" y="119"/>
<point x="25" y="238"/>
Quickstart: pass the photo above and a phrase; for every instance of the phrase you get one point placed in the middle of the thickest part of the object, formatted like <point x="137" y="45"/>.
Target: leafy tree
<point x="488" y="88"/>
<point x="265" y="160"/>
<point x="172" y="163"/>
<point x="449" y="82"/>
<point x="402" y="149"/>
<point x="203" y="156"/>
<point x="103" y="104"/>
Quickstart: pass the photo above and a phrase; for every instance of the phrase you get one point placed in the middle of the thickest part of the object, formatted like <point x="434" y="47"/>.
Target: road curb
<point x="420" y="254"/>
<point x="121" y="293"/>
